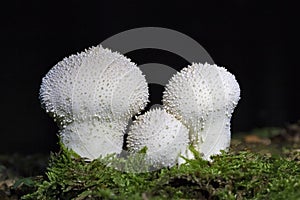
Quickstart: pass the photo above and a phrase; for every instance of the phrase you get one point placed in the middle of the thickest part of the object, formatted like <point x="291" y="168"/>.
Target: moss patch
<point x="232" y="175"/>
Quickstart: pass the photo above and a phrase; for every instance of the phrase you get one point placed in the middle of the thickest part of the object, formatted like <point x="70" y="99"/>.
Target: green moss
<point x="232" y="175"/>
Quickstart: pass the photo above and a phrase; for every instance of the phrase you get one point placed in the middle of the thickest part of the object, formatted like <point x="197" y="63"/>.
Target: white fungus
<point x="203" y="97"/>
<point x="164" y="136"/>
<point x="94" y="85"/>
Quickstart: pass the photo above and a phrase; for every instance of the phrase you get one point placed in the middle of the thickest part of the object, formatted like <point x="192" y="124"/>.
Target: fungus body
<point x="203" y="97"/>
<point x="96" y="86"/>
<point x="164" y="136"/>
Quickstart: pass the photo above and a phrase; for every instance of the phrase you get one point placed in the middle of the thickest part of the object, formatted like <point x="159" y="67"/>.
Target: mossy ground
<point x="250" y="170"/>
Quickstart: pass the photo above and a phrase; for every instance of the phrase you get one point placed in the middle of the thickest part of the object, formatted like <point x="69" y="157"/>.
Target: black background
<point x="256" y="41"/>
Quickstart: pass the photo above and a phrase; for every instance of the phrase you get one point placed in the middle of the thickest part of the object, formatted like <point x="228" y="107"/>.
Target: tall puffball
<point x="203" y="97"/>
<point x="89" y="94"/>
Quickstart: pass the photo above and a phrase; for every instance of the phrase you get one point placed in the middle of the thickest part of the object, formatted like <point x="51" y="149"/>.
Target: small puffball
<point x="93" y="138"/>
<point x="164" y="136"/>
<point x="203" y="97"/>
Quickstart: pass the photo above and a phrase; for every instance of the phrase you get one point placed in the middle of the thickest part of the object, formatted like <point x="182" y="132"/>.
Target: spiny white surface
<point x="92" y="138"/>
<point x="203" y="97"/>
<point x="94" y="83"/>
<point x="164" y="136"/>
<point x="92" y="95"/>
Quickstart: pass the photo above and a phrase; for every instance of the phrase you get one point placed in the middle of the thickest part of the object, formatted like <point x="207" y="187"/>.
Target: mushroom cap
<point x="94" y="83"/>
<point x="164" y="136"/>
<point x="93" y="138"/>
<point x="203" y="97"/>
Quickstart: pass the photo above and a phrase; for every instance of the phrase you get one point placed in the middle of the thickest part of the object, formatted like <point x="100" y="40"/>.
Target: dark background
<point x="256" y="41"/>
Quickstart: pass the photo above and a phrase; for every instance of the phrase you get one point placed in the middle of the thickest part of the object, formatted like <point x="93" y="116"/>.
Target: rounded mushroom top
<point x="198" y="90"/>
<point x="94" y="83"/>
<point x="164" y="136"/>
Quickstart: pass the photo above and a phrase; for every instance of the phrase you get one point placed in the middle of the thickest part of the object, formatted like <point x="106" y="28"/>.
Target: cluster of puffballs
<point x="93" y="95"/>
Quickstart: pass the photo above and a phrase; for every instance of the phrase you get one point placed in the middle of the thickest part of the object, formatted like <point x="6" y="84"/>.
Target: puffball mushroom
<point x="87" y="93"/>
<point x="203" y="97"/>
<point x="164" y="136"/>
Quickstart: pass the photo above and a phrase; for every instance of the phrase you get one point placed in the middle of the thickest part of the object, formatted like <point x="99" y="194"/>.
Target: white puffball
<point x="164" y="136"/>
<point x="203" y="97"/>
